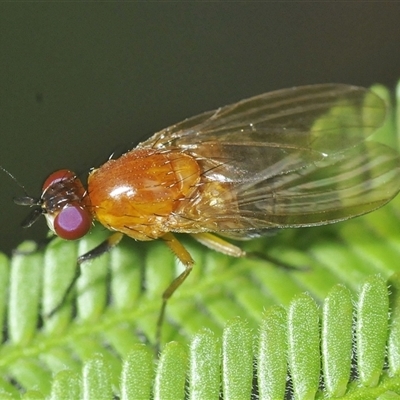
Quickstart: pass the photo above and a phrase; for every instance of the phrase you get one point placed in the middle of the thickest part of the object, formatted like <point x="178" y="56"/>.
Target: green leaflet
<point x="101" y="344"/>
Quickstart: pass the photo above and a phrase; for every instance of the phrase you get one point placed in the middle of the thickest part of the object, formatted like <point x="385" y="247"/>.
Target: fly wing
<point x="353" y="182"/>
<point x="325" y="118"/>
<point x="293" y="191"/>
<point x="294" y="157"/>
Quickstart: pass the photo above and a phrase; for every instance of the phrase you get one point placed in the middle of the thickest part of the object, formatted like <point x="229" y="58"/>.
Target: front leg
<point x="99" y="250"/>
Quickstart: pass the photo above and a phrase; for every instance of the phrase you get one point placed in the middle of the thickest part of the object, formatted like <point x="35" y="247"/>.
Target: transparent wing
<point x="295" y="157"/>
<point x="324" y="118"/>
<point x="351" y="183"/>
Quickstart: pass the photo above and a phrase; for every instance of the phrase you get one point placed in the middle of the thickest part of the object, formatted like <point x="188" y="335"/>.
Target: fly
<point x="296" y="157"/>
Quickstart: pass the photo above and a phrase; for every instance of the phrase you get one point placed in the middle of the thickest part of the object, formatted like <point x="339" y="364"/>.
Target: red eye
<point x="60" y="175"/>
<point x="72" y="222"/>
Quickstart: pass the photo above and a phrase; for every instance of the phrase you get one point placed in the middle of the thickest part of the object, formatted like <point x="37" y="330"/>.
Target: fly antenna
<point x="15" y="180"/>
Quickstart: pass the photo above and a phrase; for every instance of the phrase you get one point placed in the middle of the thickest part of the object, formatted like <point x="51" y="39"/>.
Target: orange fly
<point x="290" y="158"/>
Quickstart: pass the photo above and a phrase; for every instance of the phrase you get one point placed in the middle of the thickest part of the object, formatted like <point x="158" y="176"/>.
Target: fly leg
<point x="222" y="246"/>
<point x="280" y="264"/>
<point x="218" y="244"/>
<point x="186" y="259"/>
<point x="99" y="250"/>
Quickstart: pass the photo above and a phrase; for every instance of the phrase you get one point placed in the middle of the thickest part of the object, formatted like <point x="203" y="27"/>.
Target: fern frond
<point x="239" y="327"/>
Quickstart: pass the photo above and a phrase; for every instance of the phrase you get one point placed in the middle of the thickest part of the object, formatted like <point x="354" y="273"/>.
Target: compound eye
<point x="72" y="222"/>
<point x="57" y="176"/>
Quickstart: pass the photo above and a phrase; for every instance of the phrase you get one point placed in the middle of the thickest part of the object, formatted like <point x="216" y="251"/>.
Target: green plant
<point x="244" y="320"/>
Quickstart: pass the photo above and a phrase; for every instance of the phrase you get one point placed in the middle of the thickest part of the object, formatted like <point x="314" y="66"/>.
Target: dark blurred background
<point x="81" y="80"/>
